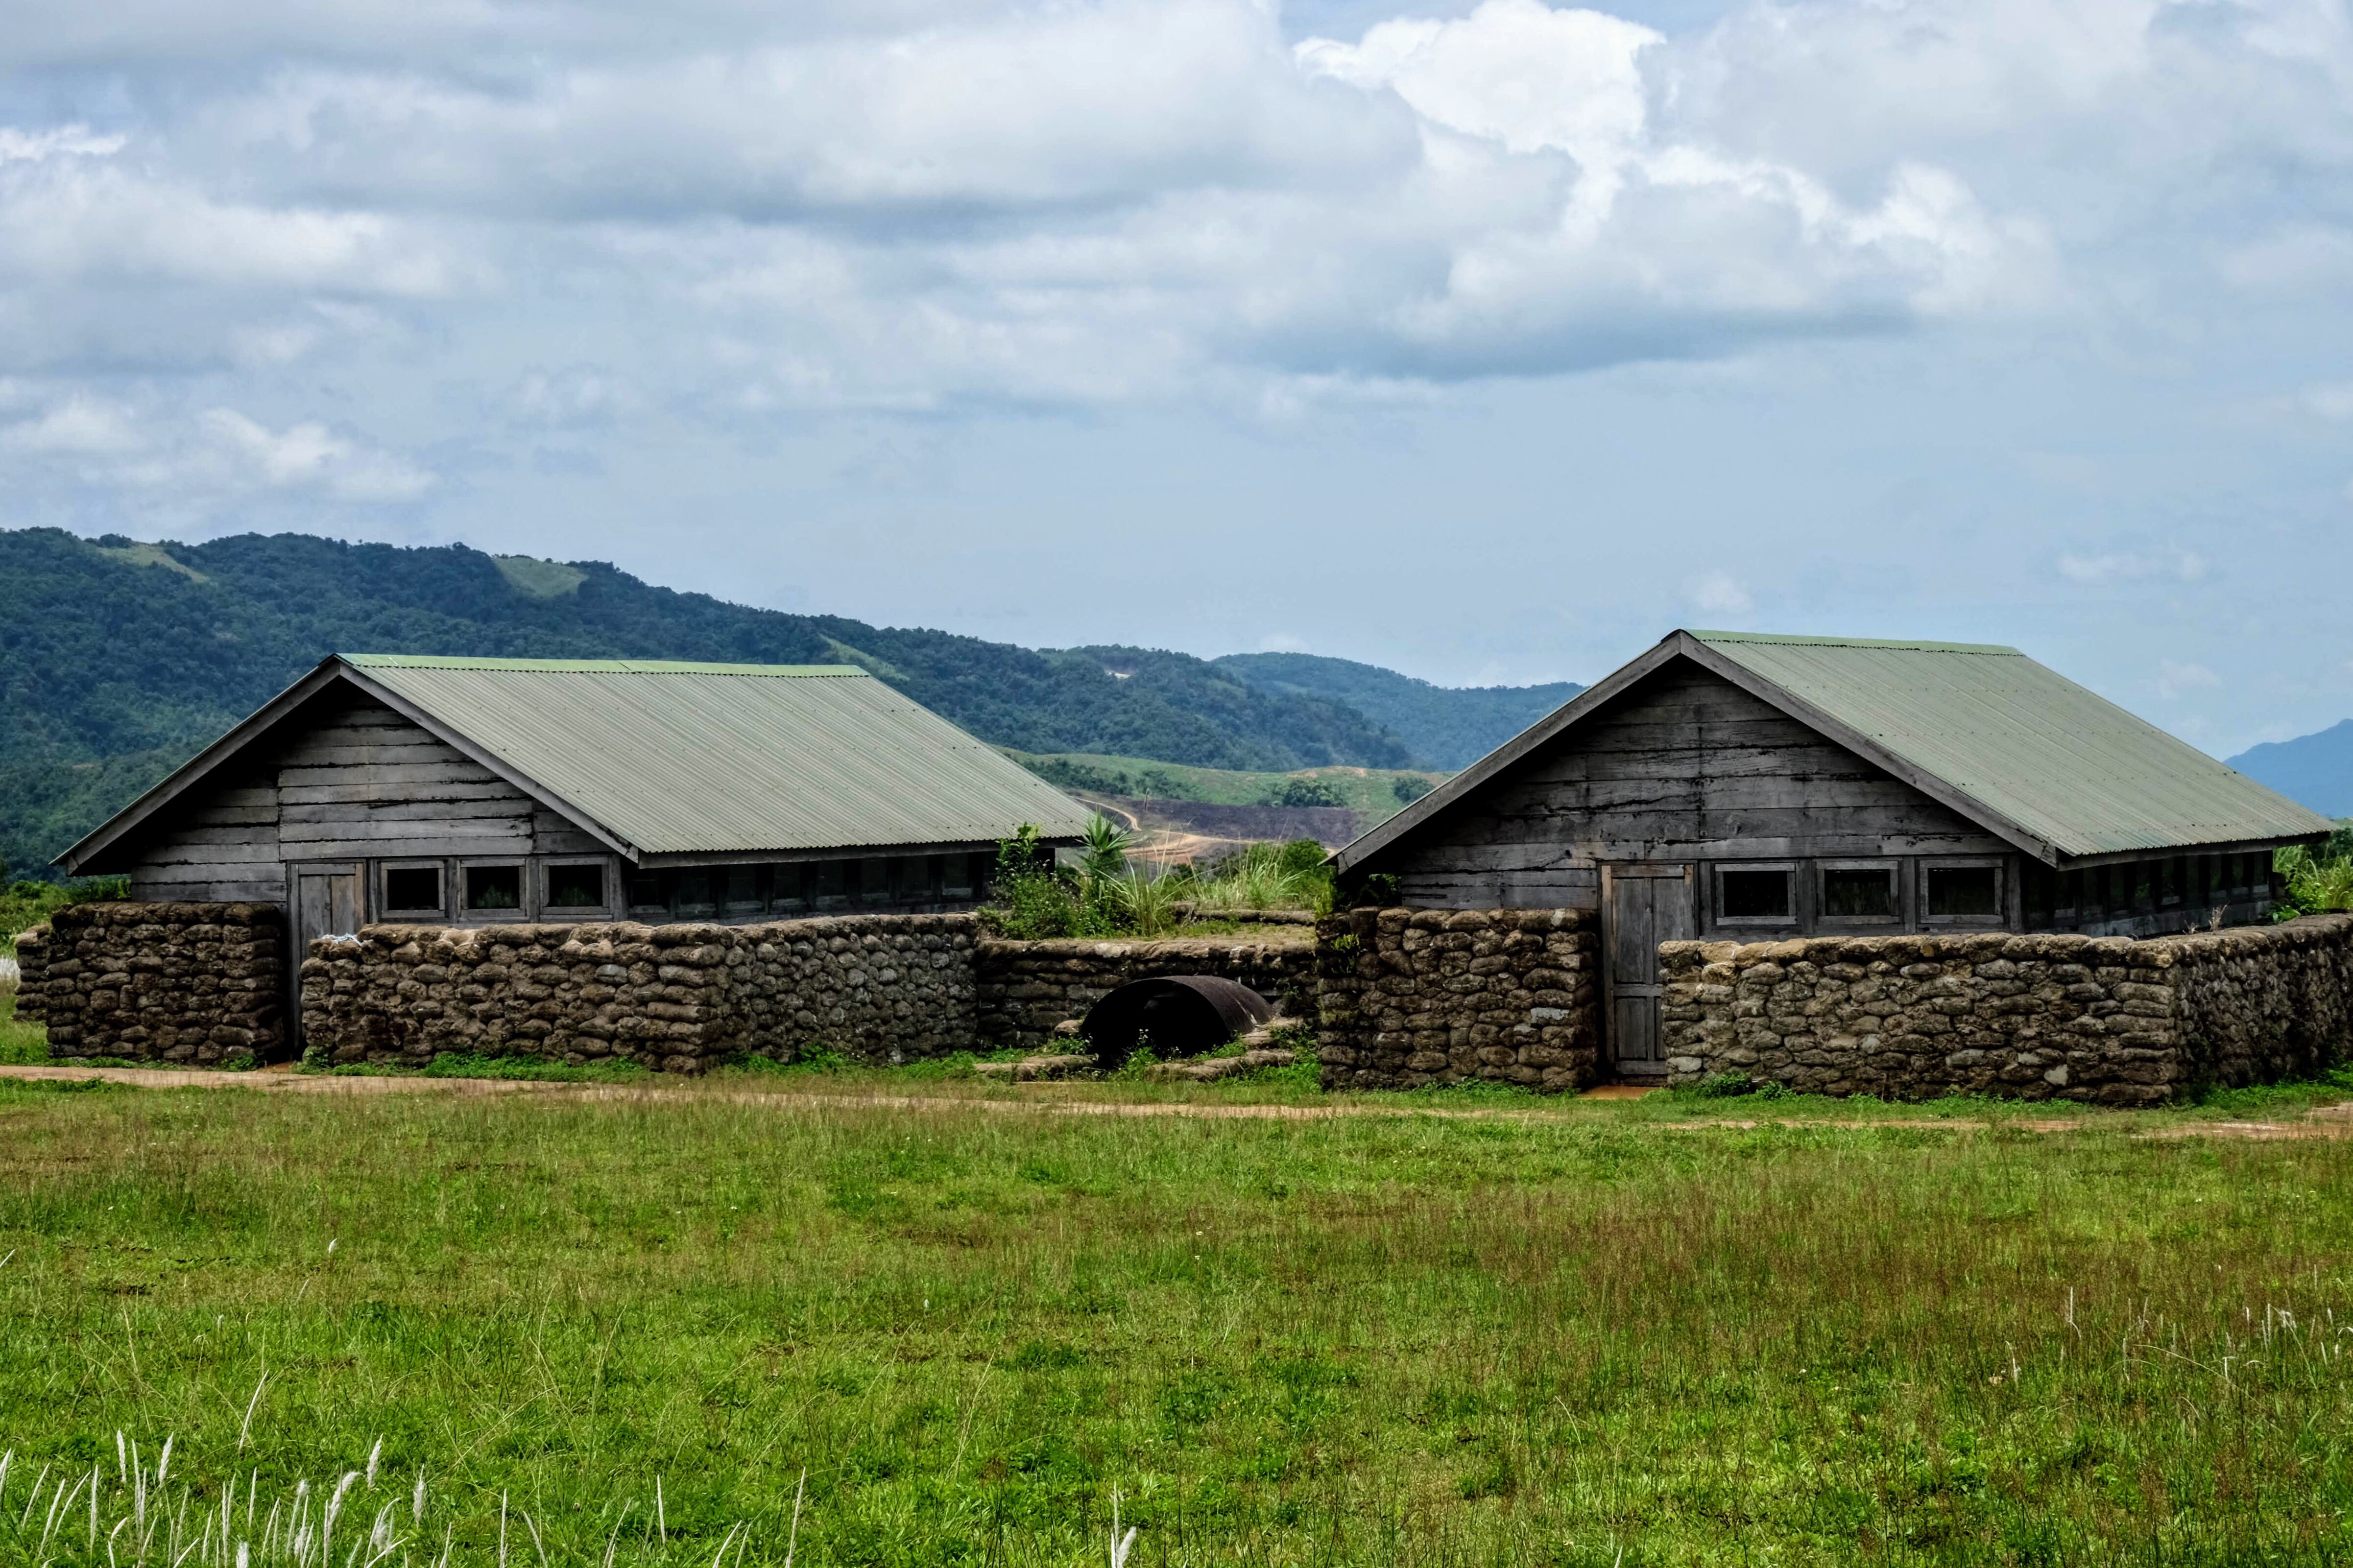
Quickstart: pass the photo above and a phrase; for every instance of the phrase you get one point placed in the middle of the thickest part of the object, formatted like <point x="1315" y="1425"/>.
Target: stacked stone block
<point x="1027" y="987"/>
<point x="672" y="998"/>
<point x="1409" y="997"/>
<point x="198" y="984"/>
<point x="2105" y="1020"/>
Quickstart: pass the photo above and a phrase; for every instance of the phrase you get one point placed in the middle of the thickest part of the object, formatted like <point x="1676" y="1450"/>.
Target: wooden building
<point x="1747" y="787"/>
<point x="476" y="791"/>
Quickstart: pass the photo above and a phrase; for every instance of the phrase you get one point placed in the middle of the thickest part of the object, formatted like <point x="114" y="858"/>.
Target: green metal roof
<point x="717" y="758"/>
<point x="2024" y="741"/>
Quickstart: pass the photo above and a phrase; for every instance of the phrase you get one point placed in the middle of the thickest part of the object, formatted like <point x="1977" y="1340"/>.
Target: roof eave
<point x="1351" y="856"/>
<point x="2227" y="847"/>
<point x="1936" y="789"/>
<point x="1674" y="645"/>
<point x="475" y="752"/>
<point x="657" y="859"/>
<point x="110" y="833"/>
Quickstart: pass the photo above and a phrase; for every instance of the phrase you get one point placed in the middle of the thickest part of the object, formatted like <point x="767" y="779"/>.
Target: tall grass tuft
<point x="1265" y="877"/>
<point x="2317" y="883"/>
<point x="132" y="1515"/>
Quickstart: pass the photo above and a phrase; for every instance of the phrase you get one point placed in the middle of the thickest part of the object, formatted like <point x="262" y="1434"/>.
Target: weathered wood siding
<point x="1682" y="766"/>
<point x="357" y="782"/>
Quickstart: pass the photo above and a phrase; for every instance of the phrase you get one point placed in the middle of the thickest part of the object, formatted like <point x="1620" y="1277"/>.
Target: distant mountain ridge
<point x="1447" y="727"/>
<point x="2314" y="769"/>
<point x="119" y="658"/>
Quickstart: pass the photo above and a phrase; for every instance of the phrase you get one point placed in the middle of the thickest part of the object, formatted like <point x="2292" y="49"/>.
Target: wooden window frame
<point x="677" y="875"/>
<point x="1998" y="920"/>
<point x="795" y="905"/>
<point x="1893" y="920"/>
<point x="629" y="904"/>
<point x="605" y="876"/>
<point x="843" y="871"/>
<point x="1788" y="868"/>
<point x="758" y="902"/>
<point x="384" y="905"/>
<point x="518" y="915"/>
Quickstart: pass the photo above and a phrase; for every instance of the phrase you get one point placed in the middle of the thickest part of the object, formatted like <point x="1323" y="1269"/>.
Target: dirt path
<point x="2328" y="1122"/>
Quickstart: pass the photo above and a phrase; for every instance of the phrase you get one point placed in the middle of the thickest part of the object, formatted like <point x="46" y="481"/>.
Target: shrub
<point x="2317" y="884"/>
<point x="1306" y="792"/>
<point x="1409" y="789"/>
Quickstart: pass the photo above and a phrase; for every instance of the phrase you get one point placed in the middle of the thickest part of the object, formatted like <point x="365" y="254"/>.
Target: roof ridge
<point x="1794" y="640"/>
<point x="597" y="666"/>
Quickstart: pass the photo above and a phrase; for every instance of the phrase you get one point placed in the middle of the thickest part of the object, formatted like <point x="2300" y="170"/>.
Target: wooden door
<point x="1641" y="906"/>
<point x="326" y="902"/>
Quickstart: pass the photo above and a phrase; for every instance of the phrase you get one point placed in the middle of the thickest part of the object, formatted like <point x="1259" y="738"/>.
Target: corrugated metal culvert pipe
<point x="1175" y="1016"/>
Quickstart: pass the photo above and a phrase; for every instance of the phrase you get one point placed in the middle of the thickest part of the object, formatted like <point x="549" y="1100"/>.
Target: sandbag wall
<point x="1409" y="997"/>
<point x="2107" y="1020"/>
<point x="674" y="997"/>
<point x="199" y="984"/>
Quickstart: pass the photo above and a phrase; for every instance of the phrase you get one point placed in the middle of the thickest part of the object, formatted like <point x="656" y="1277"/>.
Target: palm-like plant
<point x="1104" y="855"/>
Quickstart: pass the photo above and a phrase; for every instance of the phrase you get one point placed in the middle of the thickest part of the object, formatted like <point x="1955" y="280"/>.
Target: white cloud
<point x="307" y="455"/>
<point x="79" y="424"/>
<point x="61" y="141"/>
<point x="1719" y="593"/>
<point x="2133" y="565"/>
<point x="2176" y="680"/>
<point x="161" y="456"/>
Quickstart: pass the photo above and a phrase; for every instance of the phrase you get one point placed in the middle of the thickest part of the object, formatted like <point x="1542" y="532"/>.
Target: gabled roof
<point x="660" y="758"/>
<point x="2035" y="759"/>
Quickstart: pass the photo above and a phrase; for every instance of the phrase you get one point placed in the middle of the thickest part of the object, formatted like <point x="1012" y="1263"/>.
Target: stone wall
<point x="1027" y="987"/>
<point x="1410" y="997"/>
<point x="675" y="997"/>
<point x="2107" y="1020"/>
<point x="199" y="983"/>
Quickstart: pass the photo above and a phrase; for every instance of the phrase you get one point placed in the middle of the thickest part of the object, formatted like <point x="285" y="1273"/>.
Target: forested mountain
<point x="1447" y="727"/>
<point x="119" y="659"/>
<point x="2314" y="769"/>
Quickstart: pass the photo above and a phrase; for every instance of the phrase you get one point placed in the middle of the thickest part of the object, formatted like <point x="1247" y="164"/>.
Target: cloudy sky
<point x="1486" y="340"/>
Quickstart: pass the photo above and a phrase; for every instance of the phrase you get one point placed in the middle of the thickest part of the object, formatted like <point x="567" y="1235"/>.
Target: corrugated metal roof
<point x="719" y="758"/>
<point x="2063" y="763"/>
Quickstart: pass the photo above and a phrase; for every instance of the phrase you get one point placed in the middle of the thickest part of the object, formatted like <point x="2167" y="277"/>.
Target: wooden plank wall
<point x="356" y="781"/>
<point x="1684" y="765"/>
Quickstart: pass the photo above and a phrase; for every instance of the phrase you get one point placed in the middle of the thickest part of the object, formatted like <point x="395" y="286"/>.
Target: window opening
<point x="740" y="893"/>
<point x="956" y="880"/>
<point x="649" y="894"/>
<point x="692" y="900"/>
<point x="828" y="884"/>
<point x="2042" y="887"/>
<point x="576" y="887"/>
<point x="413" y="888"/>
<point x="1964" y="892"/>
<point x="494" y="887"/>
<point x="1754" y="895"/>
<point x="785" y="890"/>
<point x="877" y="881"/>
<point x="1858" y="893"/>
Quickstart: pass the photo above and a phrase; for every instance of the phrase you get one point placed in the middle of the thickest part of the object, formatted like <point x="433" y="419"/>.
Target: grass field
<point x="1583" y="1335"/>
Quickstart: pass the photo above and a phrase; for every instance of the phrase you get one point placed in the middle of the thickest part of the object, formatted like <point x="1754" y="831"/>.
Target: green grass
<point x="21" y="1044"/>
<point x="1571" y="1336"/>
